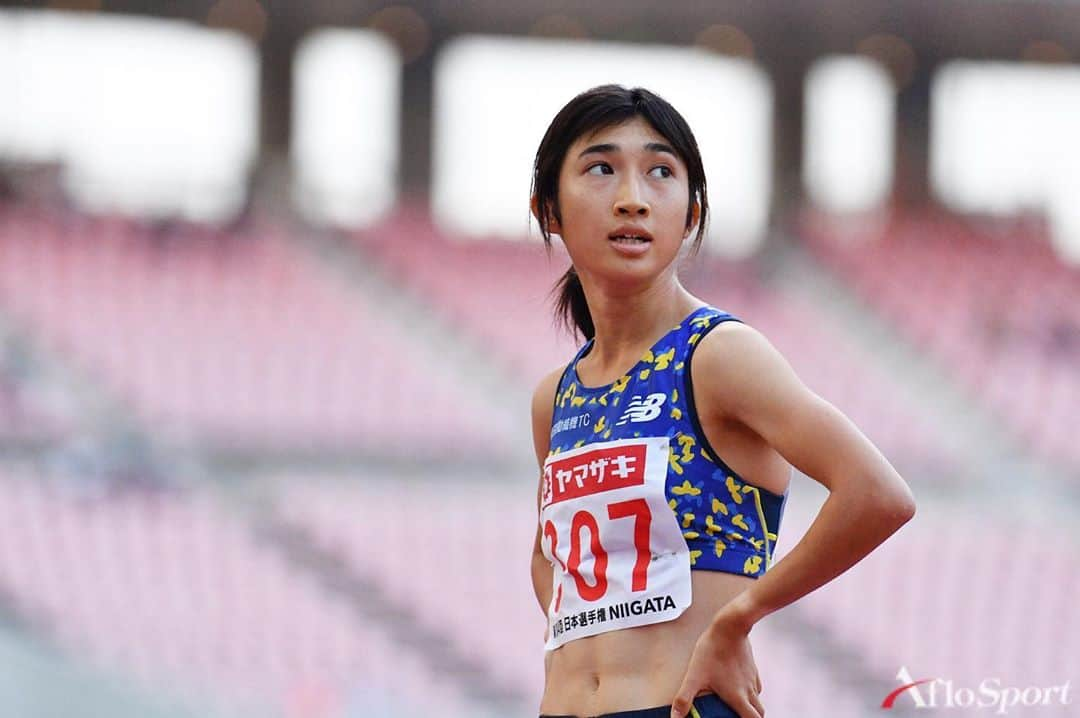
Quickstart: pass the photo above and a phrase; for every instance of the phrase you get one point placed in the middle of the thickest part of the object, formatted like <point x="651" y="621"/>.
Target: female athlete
<point x="664" y="479"/>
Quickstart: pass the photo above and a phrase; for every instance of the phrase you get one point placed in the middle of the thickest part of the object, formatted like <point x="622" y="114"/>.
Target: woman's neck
<point x="628" y="324"/>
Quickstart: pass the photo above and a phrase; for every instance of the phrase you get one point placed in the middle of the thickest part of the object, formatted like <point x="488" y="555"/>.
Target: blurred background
<point x="271" y="313"/>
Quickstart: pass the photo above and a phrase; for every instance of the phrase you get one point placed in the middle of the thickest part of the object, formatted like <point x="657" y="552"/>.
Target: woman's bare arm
<point x="542" y="408"/>
<point x="738" y="376"/>
<point x="743" y="378"/>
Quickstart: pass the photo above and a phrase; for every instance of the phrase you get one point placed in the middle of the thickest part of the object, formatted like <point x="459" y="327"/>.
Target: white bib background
<point x="628" y="564"/>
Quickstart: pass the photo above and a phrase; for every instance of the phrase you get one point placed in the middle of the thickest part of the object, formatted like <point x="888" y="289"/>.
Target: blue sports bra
<point x="729" y="524"/>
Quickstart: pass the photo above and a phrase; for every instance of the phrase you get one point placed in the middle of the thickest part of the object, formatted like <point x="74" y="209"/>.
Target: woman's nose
<point x="629" y="201"/>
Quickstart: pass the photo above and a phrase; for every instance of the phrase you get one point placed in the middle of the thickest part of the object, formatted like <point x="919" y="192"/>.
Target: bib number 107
<point x="638" y="509"/>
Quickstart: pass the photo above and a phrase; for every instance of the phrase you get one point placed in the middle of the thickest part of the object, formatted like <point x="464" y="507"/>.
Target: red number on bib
<point x="639" y="509"/>
<point x="595" y="592"/>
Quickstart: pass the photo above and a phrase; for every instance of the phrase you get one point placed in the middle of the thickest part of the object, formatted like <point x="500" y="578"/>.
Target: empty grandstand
<point x="267" y="340"/>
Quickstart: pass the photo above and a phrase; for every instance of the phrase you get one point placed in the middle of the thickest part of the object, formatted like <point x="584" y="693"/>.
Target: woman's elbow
<point x="895" y="506"/>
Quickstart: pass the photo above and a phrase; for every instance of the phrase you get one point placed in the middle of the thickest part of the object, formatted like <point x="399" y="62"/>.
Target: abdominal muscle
<point x="634" y="668"/>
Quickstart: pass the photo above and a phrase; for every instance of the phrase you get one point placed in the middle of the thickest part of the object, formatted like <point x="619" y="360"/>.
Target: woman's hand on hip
<point x="722" y="663"/>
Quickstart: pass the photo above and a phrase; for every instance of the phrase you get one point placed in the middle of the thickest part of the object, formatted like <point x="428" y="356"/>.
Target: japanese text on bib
<point x="618" y="556"/>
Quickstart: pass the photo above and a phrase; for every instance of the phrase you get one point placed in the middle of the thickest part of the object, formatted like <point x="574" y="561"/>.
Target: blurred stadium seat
<point x="221" y="338"/>
<point x="996" y="307"/>
<point x="176" y="592"/>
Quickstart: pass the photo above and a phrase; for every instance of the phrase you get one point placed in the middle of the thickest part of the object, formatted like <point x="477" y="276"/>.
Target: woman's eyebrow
<point x="610" y="147"/>
<point x="660" y="147"/>
<point x="599" y="149"/>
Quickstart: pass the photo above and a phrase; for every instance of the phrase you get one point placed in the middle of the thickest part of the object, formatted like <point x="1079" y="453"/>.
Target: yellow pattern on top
<point x="687" y="443"/>
<point x="733" y="489"/>
<point x="686" y="488"/>
<point x="664" y="359"/>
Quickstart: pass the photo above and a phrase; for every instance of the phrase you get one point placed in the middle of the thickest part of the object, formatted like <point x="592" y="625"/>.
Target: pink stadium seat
<point x="171" y="589"/>
<point x="996" y="308"/>
<point x="961" y="596"/>
<point x="237" y="342"/>
<point x="495" y="292"/>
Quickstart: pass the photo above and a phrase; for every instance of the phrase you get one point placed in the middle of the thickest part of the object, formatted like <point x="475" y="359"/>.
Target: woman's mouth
<point x="630" y="244"/>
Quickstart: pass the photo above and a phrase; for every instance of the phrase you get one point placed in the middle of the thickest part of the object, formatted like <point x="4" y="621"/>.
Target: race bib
<point x="618" y="555"/>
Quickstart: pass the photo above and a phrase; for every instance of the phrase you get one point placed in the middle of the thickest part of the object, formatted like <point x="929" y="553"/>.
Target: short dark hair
<point x="592" y="110"/>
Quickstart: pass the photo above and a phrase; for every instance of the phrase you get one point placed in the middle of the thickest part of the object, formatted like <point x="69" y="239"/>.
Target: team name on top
<point x="592" y="472"/>
<point x="570" y="422"/>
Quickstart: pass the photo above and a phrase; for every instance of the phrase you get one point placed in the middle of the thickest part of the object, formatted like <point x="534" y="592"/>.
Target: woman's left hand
<point x="722" y="663"/>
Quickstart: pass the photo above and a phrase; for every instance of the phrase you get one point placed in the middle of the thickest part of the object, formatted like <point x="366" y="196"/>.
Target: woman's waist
<point x="629" y="653"/>
<point x="634" y="667"/>
<point x="617" y="671"/>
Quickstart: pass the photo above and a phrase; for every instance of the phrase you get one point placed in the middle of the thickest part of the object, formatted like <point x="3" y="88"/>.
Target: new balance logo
<point x="640" y="409"/>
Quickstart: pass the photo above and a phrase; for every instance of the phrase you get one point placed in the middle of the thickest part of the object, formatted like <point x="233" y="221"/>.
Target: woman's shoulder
<point x="735" y="359"/>
<point x="543" y="398"/>
<point x="732" y="335"/>
<point x="543" y="409"/>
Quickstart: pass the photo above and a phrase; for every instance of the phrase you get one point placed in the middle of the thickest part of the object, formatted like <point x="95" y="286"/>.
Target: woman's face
<point x="623" y="194"/>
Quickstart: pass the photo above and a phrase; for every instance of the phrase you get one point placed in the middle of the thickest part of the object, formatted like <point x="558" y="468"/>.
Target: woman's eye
<point x="600" y="168"/>
<point x="660" y="171"/>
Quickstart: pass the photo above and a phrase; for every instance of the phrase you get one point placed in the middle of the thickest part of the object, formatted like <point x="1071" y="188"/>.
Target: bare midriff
<point x="634" y="668"/>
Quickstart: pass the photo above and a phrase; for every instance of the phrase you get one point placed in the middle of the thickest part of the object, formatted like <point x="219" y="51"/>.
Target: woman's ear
<point x="695" y="215"/>
<point x="552" y="223"/>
